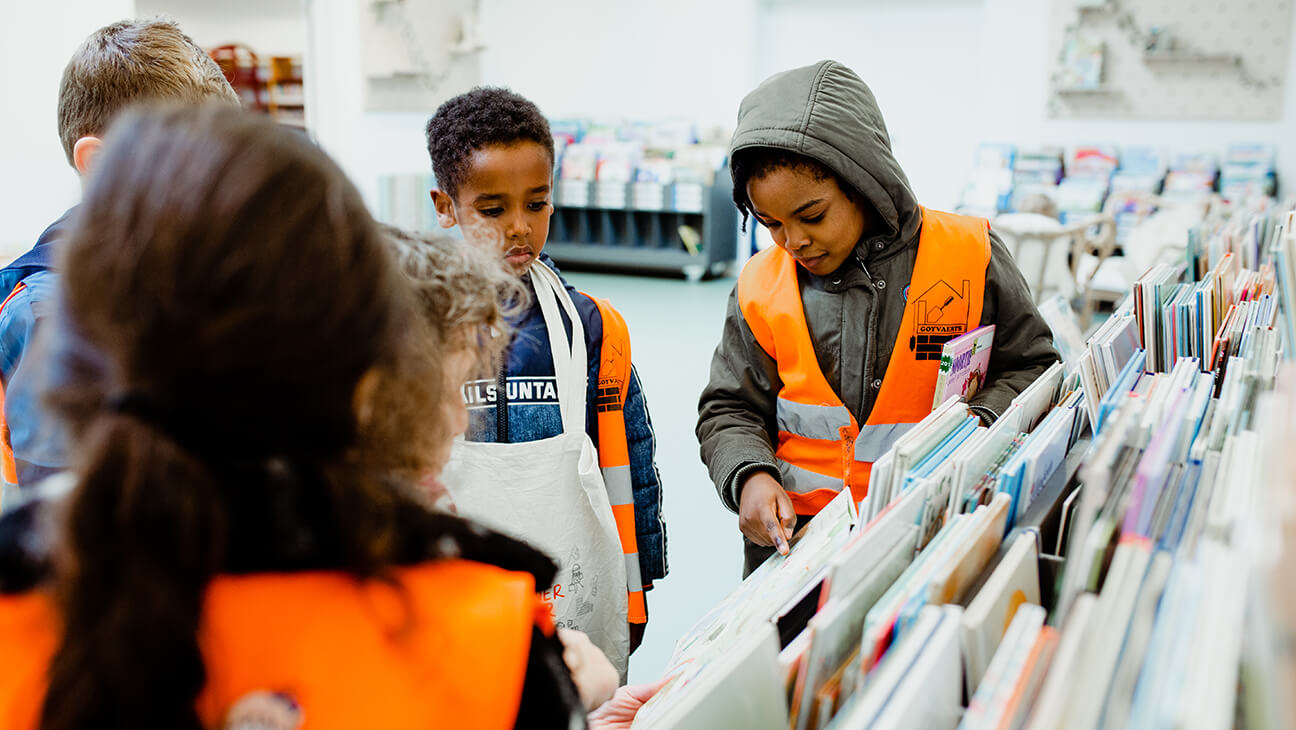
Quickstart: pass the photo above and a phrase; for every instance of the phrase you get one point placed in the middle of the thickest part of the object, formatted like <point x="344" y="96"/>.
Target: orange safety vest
<point x="448" y="648"/>
<point x="820" y="446"/>
<point x="614" y="451"/>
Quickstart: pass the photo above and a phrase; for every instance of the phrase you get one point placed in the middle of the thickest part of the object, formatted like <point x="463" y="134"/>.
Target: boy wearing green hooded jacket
<point x="824" y="361"/>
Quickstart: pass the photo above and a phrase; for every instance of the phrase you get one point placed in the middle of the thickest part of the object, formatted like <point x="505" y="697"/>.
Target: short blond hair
<point x="128" y="62"/>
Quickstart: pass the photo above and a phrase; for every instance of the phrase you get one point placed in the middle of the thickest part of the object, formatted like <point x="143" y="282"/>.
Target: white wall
<point x="268" y="27"/>
<point x="366" y="144"/>
<point x="918" y="57"/>
<point x="574" y="58"/>
<point x="948" y="74"/>
<point x="36" y="182"/>
<point x="619" y="59"/>
<point x="697" y="60"/>
<point x="951" y="73"/>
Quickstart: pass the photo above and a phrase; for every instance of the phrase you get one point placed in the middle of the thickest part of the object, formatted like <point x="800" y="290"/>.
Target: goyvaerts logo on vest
<point x="940" y="315"/>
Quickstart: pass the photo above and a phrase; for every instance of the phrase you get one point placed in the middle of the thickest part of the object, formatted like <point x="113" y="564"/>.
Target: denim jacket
<point x="526" y="409"/>
<point x="29" y="286"/>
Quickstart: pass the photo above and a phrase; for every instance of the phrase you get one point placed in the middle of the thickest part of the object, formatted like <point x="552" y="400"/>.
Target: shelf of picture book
<point x="1109" y="553"/>
<point x="644" y="227"/>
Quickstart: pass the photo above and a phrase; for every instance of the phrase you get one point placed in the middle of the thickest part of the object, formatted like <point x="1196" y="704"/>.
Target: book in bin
<point x="964" y="366"/>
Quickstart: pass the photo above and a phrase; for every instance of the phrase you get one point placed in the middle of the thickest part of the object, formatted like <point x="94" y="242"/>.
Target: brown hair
<point x="128" y="62"/>
<point x="466" y="298"/>
<point x="226" y="291"/>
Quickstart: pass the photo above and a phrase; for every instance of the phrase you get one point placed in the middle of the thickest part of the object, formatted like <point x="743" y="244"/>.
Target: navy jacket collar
<point x="40" y="257"/>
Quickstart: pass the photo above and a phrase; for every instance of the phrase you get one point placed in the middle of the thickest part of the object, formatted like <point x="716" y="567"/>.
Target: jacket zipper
<point x="501" y="405"/>
<point x="866" y="408"/>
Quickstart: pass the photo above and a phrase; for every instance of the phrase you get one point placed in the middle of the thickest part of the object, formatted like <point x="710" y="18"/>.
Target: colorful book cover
<point x="965" y="364"/>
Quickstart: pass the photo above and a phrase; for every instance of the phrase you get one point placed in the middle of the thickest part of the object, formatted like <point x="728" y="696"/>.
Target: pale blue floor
<point x="674" y="328"/>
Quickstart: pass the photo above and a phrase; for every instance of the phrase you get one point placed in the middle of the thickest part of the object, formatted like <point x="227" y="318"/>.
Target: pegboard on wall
<point x="417" y="53"/>
<point x="1172" y="59"/>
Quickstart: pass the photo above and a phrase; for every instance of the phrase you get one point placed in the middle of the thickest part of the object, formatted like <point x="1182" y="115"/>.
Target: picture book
<point x="835" y="630"/>
<point x="703" y="650"/>
<point x="1113" y="611"/>
<point x="1060" y="679"/>
<point x="926" y="657"/>
<point x="965" y="365"/>
<point x="1013" y="583"/>
<point x="1014" y="656"/>
<point x="952" y="580"/>
<point x="742" y="689"/>
<point x="1039" y="397"/>
<point x="1121" y="696"/>
<point x="930" y="692"/>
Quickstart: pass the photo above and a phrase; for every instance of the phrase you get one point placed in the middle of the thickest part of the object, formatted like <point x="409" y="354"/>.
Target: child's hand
<point x="438" y="496"/>
<point x="765" y="513"/>
<point x="619" y="712"/>
<point x="594" y="676"/>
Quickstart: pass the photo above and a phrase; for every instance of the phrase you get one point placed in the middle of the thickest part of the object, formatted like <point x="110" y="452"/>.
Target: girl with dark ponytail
<point x="230" y="311"/>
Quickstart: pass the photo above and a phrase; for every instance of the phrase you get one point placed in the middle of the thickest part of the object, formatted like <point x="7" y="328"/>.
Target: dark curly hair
<point x="484" y="116"/>
<point x="754" y="163"/>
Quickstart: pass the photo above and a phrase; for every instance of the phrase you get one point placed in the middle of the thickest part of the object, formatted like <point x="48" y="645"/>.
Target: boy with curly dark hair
<point x="493" y="157"/>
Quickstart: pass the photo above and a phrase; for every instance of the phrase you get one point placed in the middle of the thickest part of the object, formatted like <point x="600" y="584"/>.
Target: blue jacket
<point x="531" y="413"/>
<point x="38" y="441"/>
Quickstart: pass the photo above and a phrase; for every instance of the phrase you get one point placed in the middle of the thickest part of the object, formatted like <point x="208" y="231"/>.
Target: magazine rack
<point x="681" y="228"/>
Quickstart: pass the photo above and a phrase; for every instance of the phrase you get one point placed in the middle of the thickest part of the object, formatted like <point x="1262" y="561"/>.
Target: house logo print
<point x="940" y="315"/>
<point x="612" y="375"/>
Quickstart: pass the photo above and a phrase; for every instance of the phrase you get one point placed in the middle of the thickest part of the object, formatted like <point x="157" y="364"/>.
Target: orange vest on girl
<point x="820" y="446"/>
<point x="450" y="651"/>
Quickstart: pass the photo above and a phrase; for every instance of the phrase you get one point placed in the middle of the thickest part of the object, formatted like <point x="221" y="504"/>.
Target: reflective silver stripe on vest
<point x="621" y="492"/>
<point x="815" y="422"/>
<point x="824" y="423"/>
<point x="619" y="489"/>
<point x="634" y="583"/>
<point x="804" y="481"/>
<point x="874" y="440"/>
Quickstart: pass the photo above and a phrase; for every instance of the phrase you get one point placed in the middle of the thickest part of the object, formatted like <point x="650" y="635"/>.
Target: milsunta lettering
<point x="520" y="391"/>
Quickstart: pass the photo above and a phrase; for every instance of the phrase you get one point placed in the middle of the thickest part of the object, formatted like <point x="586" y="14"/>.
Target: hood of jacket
<point x="827" y="112"/>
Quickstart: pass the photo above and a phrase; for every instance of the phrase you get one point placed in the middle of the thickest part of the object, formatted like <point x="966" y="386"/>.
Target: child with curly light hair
<point x="466" y="298"/>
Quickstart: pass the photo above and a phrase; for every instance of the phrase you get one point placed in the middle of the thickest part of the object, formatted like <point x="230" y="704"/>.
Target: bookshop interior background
<point x="993" y="106"/>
